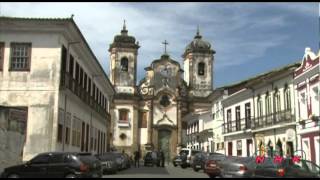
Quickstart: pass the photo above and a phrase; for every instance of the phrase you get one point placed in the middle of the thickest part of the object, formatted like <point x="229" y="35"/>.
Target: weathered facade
<point x="54" y="94"/>
<point x="149" y="116"/>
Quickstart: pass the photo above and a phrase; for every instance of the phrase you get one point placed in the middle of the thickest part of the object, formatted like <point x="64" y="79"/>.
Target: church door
<point x="164" y="143"/>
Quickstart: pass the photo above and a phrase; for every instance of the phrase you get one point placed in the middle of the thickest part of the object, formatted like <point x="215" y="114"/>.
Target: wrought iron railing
<point x="237" y="125"/>
<point x="272" y="119"/>
<point x="68" y="82"/>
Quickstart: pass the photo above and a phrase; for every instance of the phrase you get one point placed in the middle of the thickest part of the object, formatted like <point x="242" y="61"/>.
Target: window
<point x="20" y="56"/>
<point x="68" y="124"/>
<point x="57" y="158"/>
<point x="71" y="65"/>
<point x="143" y="120"/>
<point x="259" y="104"/>
<point x="165" y="101"/>
<point x="74" y="131"/>
<point x="63" y="59"/>
<point x="81" y="77"/>
<point x="82" y="136"/>
<point x="123" y="115"/>
<point x="87" y="138"/>
<point x="124" y="64"/>
<point x="17" y="119"/>
<point x="201" y="67"/>
<point x="77" y="72"/>
<point x="41" y="159"/>
<point x="238" y="118"/>
<point x="268" y="103"/>
<point x="1" y="55"/>
<point x="287" y="98"/>
<point x="60" y="125"/>
<point x="229" y="120"/>
<point x="277" y="100"/>
<point x="85" y="82"/>
<point x="89" y="88"/>
<point x="248" y="114"/>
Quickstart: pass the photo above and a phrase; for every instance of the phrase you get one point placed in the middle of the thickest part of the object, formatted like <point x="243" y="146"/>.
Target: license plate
<point x="198" y="166"/>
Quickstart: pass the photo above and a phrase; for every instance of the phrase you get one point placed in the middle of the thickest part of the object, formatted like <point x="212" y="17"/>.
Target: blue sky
<point x="249" y="38"/>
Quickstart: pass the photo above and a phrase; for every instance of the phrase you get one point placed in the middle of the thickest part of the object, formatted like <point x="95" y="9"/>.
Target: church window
<point x="165" y="101"/>
<point x="124" y="64"/>
<point x="124" y="115"/>
<point x="201" y="67"/>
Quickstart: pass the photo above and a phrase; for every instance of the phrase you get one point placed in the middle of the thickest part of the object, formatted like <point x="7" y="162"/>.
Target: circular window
<point x="165" y="101"/>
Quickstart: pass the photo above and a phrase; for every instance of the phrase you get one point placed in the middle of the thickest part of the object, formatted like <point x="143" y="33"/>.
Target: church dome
<point x="198" y="45"/>
<point x="124" y="40"/>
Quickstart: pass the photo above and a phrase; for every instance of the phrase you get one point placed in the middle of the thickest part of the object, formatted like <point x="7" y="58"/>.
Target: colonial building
<point x="259" y="115"/>
<point x="54" y="95"/>
<point x="149" y="115"/>
<point x="307" y="85"/>
<point x="204" y="128"/>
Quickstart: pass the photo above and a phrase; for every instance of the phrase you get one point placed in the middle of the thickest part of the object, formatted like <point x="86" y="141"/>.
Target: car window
<point x="41" y="159"/>
<point x="57" y="158"/>
<point x="184" y="152"/>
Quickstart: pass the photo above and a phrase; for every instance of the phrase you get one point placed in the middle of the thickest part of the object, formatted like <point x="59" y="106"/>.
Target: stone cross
<point x="165" y="46"/>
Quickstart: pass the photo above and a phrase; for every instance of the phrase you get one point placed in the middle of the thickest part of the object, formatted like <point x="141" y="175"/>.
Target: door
<point x="229" y="148"/>
<point x="290" y="148"/>
<point x="37" y="167"/>
<point x="57" y="167"/>
<point x="249" y="147"/>
<point x="164" y="143"/>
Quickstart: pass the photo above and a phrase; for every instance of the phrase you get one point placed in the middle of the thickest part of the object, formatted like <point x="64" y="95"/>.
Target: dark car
<point x="286" y="169"/>
<point x="199" y="161"/>
<point x="150" y="160"/>
<point x="57" y="165"/>
<point x="108" y="163"/>
<point x="176" y="161"/>
<point x="211" y="168"/>
<point x="235" y="167"/>
<point x="120" y="160"/>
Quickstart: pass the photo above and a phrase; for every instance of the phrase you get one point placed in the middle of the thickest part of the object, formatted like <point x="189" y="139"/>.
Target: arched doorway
<point x="279" y="147"/>
<point x="164" y="137"/>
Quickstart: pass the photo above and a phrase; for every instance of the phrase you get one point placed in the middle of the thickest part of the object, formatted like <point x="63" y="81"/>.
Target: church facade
<point x="149" y="115"/>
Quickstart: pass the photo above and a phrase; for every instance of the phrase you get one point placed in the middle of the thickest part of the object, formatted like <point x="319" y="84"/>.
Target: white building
<point x="259" y="114"/>
<point x="307" y="85"/>
<point x="55" y="95"/>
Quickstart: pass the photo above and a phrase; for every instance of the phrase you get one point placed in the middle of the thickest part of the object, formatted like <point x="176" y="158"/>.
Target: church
<point x="148" y="115"/>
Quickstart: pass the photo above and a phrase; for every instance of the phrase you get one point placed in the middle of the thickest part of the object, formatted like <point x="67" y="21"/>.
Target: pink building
<point x="307" y="85"/>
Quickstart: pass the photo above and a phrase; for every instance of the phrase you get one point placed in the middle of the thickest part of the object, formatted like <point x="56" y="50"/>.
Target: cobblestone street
<point x="158" y="172"/>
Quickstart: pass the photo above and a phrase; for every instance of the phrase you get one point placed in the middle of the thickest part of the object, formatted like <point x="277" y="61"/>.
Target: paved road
<point x="158" y="172"/>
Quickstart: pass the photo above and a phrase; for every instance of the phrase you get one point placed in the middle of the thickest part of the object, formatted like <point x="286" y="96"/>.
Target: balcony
<point x="237" y="125"/>
<point x="277" y="118"/>
<point x="67" y="82"/>
<point x="123" y="123"/>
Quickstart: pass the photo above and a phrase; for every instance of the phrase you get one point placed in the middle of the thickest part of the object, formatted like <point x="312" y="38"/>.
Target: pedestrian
<point x="162" y="158"/>
<point x="154" y="157"/>
<point x="136" y="158"/>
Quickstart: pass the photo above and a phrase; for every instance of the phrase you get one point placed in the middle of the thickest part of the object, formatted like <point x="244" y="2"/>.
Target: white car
<point x="190" y="154"/>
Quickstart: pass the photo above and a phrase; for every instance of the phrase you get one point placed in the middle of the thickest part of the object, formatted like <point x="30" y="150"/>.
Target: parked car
<point x="233" y="167"/>
<point x="286" y="169"/>
<point x="108" y="163"/>
<point x="199" y="161"/>
<point x="57" y="165"/>
<point x="187" y="156"/>
<point x="149" y="160"/>
<point x="177" y="160"/>
<point x="211" y="168"/>
<point x="127" y="160"/>
<point x="120" y="160"/>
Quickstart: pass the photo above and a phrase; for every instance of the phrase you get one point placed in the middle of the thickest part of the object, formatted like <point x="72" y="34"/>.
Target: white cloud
<point x="242" y="30"/>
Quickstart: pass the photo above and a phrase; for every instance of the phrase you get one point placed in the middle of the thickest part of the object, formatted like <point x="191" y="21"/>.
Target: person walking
<point x="136" y="158"/>
<point x="162" y="158"/>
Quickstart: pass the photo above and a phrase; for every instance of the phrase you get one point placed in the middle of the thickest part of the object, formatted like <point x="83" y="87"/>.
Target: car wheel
<point x="70" y="176"/>
<point x="212" y="176"/>
<point x="13" y="176"/>
<point x="196" y="169"/>
<point x="175" y="165"/>
<point x="184" y="166"/>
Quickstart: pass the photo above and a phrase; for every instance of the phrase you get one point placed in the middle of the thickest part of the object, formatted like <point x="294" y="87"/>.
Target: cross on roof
<point x="165" y="46"/>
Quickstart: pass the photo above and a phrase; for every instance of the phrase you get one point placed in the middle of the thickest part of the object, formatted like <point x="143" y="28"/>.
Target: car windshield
<point x="105" y="157"/>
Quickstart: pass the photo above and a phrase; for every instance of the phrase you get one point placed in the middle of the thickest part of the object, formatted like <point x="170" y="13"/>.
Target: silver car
<point x="233" y="167"/>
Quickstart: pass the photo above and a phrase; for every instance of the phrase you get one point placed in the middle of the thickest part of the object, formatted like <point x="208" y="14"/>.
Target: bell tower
<point x="123" y="62"/>
<point x="198" y="66"/>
